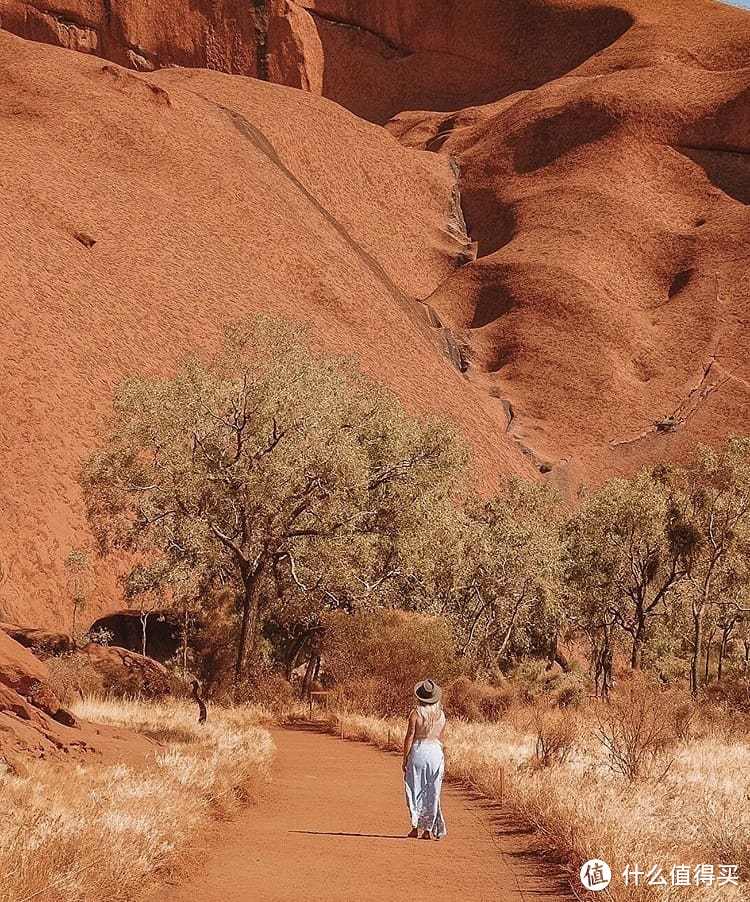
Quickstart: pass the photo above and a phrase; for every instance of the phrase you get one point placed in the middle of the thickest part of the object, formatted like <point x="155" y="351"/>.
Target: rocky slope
<point x="34" y="725"/>
<point x="144" y="212"/>
<point x="604" y="177"/>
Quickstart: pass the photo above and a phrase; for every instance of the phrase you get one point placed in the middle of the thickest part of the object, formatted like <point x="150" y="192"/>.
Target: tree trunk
<point x="184" y="642"/>
<point x="722" y="653"/>
<point x="707" y="663"/>
<point x="293" y="654"/>
<point x="509" y="632"/>
<point x="249" y="627"/>
<point x="311" y="667"/>
<point x="695" y="662"/>
<point x="144" y="624"/>
<point x="636" y="655"/>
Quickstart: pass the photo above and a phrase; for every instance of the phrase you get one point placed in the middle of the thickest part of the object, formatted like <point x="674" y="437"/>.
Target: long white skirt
<point x="423" y="781"/>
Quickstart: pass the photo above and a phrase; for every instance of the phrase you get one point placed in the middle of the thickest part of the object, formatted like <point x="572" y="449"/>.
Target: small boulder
<point x="44" y="643"/>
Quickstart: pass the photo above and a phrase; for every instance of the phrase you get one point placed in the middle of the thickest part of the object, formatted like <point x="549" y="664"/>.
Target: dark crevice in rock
<point x="680" y="282"/>
<point x="510" y="413"/>
<point x="388" y="48"/>
<point x="69" y="19"/>
<point x="735" y="151"/>
<point x="261" y="19"/>
<point x="442" y="134"/>
<point x="85" y="239"/>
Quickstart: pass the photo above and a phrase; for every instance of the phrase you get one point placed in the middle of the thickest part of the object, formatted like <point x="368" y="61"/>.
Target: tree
<point x="78" y="584"/>
<point x="505" y="575"/>
<point x="268" y="470"/>
<point x="625" y="558"/>
<point x="713" y="493"/>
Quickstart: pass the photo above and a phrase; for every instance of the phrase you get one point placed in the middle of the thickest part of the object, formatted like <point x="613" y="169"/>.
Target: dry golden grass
<point x="699" y="813"/>
<point x="87" y="833"/>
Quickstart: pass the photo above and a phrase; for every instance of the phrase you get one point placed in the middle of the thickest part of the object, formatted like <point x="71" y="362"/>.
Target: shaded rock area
<point x="33" y="724"/>
<point x="125" y="629"/>
<point x="27" y="677"/>
<point x="32" y="720"/>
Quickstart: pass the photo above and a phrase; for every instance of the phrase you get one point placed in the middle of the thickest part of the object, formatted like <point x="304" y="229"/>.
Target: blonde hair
<point x="430" y="713"/>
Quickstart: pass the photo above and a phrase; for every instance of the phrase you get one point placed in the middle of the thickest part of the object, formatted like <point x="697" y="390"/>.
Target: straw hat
<point x="427" y="691"/>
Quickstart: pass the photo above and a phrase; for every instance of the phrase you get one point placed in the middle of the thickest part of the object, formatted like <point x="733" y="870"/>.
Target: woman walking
<point x="423" y="762"/>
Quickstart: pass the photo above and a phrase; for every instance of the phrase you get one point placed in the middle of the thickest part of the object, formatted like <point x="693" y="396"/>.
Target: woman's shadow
<point x="365" y="835"/>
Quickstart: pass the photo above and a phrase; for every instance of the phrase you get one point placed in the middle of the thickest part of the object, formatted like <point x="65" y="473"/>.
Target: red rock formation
<point x="609" y="301"/>
<point x="603" y="153"/>
<point x="149" y="210"/>
<point x="34" y="725"/>
<point x="146" y="35"/>
<point x="43" y="643"/>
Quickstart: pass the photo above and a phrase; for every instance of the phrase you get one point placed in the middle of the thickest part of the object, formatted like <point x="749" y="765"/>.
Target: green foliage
<point x="625" y="558"/>
<point x="288" y="478"/>
<point x="502" y="586"/>
<point x="264" y="488"/>
<point x="713" y="494"/>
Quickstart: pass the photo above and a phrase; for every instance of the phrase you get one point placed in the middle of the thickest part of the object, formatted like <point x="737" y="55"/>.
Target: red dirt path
<point x="333" y="828"/>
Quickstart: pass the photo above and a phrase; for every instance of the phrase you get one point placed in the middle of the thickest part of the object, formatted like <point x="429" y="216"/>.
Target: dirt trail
<point x="332" y="827"/>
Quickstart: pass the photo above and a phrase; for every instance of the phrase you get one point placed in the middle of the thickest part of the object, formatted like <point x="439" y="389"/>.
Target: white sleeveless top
<point x="429" y="724"/>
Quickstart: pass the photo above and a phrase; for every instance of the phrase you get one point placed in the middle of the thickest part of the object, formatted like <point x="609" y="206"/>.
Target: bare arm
<point x="411" y="729"/>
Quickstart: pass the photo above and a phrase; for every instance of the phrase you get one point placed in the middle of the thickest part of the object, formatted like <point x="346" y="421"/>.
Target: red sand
<point x="333" y="827"/>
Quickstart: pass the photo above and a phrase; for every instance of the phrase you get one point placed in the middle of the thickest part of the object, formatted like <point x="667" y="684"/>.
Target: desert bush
<point x="635" y="732"/>
<point x="731" y="695"/>
<point x="682" y="711"/>
<point x="567" y="690"/>
<point x="470" y="700"/>
<point x="266" y="689"/>
<point x="376" y="658"/>
<point x="556" y="737"/>
<point x="73" y="677"/>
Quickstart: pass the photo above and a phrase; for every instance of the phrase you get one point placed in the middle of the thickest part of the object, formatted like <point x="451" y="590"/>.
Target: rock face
<point x="43" y="643"/>
<point x="208" y="198"/>
<point x="575" y="299"/>
<point x="33" y="725"/>
<point x="609" y="300"/>
<point x="31" y="717"/>
<point x="27" y="676"/>
<point x="222" y="35"/>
